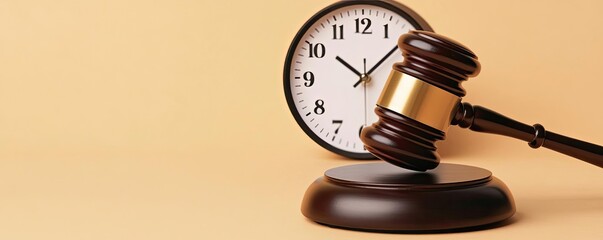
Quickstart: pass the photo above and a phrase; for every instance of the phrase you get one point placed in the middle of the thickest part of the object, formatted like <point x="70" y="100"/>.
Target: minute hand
<point x="382" y="60"/>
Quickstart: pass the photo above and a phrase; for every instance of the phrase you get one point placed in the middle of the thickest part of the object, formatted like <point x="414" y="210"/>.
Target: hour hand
<point x="347" y="65"/>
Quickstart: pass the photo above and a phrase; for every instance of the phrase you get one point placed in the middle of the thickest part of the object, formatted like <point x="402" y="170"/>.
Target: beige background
<point x="167" y="120"/>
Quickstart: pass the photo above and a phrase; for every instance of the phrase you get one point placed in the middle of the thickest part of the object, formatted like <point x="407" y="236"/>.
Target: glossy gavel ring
<point x="422" y="98"/>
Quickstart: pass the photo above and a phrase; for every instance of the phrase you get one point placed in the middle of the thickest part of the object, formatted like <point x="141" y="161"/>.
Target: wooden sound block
<point x="383" y="197"/>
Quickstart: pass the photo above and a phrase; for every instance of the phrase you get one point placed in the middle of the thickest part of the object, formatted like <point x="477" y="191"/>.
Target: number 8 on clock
<point x="337" y="65"/>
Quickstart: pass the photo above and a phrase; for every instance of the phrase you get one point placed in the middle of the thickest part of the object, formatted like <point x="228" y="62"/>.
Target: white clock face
<point x="339" y="68"/>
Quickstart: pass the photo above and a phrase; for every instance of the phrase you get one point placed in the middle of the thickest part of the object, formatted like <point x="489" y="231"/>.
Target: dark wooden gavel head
<point x="420" y="100"/>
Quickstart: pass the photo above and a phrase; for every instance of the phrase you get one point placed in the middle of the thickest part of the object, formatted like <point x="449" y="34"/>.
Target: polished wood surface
<point x="402" y="141"/>
<point x="481" y="119"/>
<point x="437" y="60"/>
<point x="382" y="197"/>
<point x="111" y="126"/>
<point x="445" y="63"/>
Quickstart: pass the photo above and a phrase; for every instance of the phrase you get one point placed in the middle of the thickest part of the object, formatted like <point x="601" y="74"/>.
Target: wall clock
<point x="337" y="65"/>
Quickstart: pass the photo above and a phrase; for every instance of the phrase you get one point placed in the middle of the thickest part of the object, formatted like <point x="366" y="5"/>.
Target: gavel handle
<point x="481" y="119"/>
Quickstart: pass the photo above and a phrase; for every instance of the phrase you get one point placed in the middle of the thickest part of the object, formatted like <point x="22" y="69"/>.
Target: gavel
<point x="422" y="98"/>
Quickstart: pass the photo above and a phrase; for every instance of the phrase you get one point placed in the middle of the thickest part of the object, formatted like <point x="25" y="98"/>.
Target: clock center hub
<point x="337" y="65"/>
<point x="365" y="78"/>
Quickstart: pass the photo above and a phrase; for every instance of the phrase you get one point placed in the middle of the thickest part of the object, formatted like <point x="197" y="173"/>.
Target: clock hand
<point x="382" y="60"/>
<point x="348" y="66"/>
<point x="362" y="77"/>
<point x="365" y="79"/>
<point x="358" y="83"/>
<point x="353" y="70"/>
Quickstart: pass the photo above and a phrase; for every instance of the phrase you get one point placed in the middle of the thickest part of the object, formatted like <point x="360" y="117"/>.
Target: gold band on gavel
<point x="419" y="100"/>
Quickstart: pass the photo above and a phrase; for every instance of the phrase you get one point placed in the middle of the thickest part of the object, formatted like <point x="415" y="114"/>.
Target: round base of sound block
<point x="383" y="197"/>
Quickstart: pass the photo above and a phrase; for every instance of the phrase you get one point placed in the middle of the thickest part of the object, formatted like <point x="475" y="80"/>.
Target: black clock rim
<point x="411" y="16"/>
